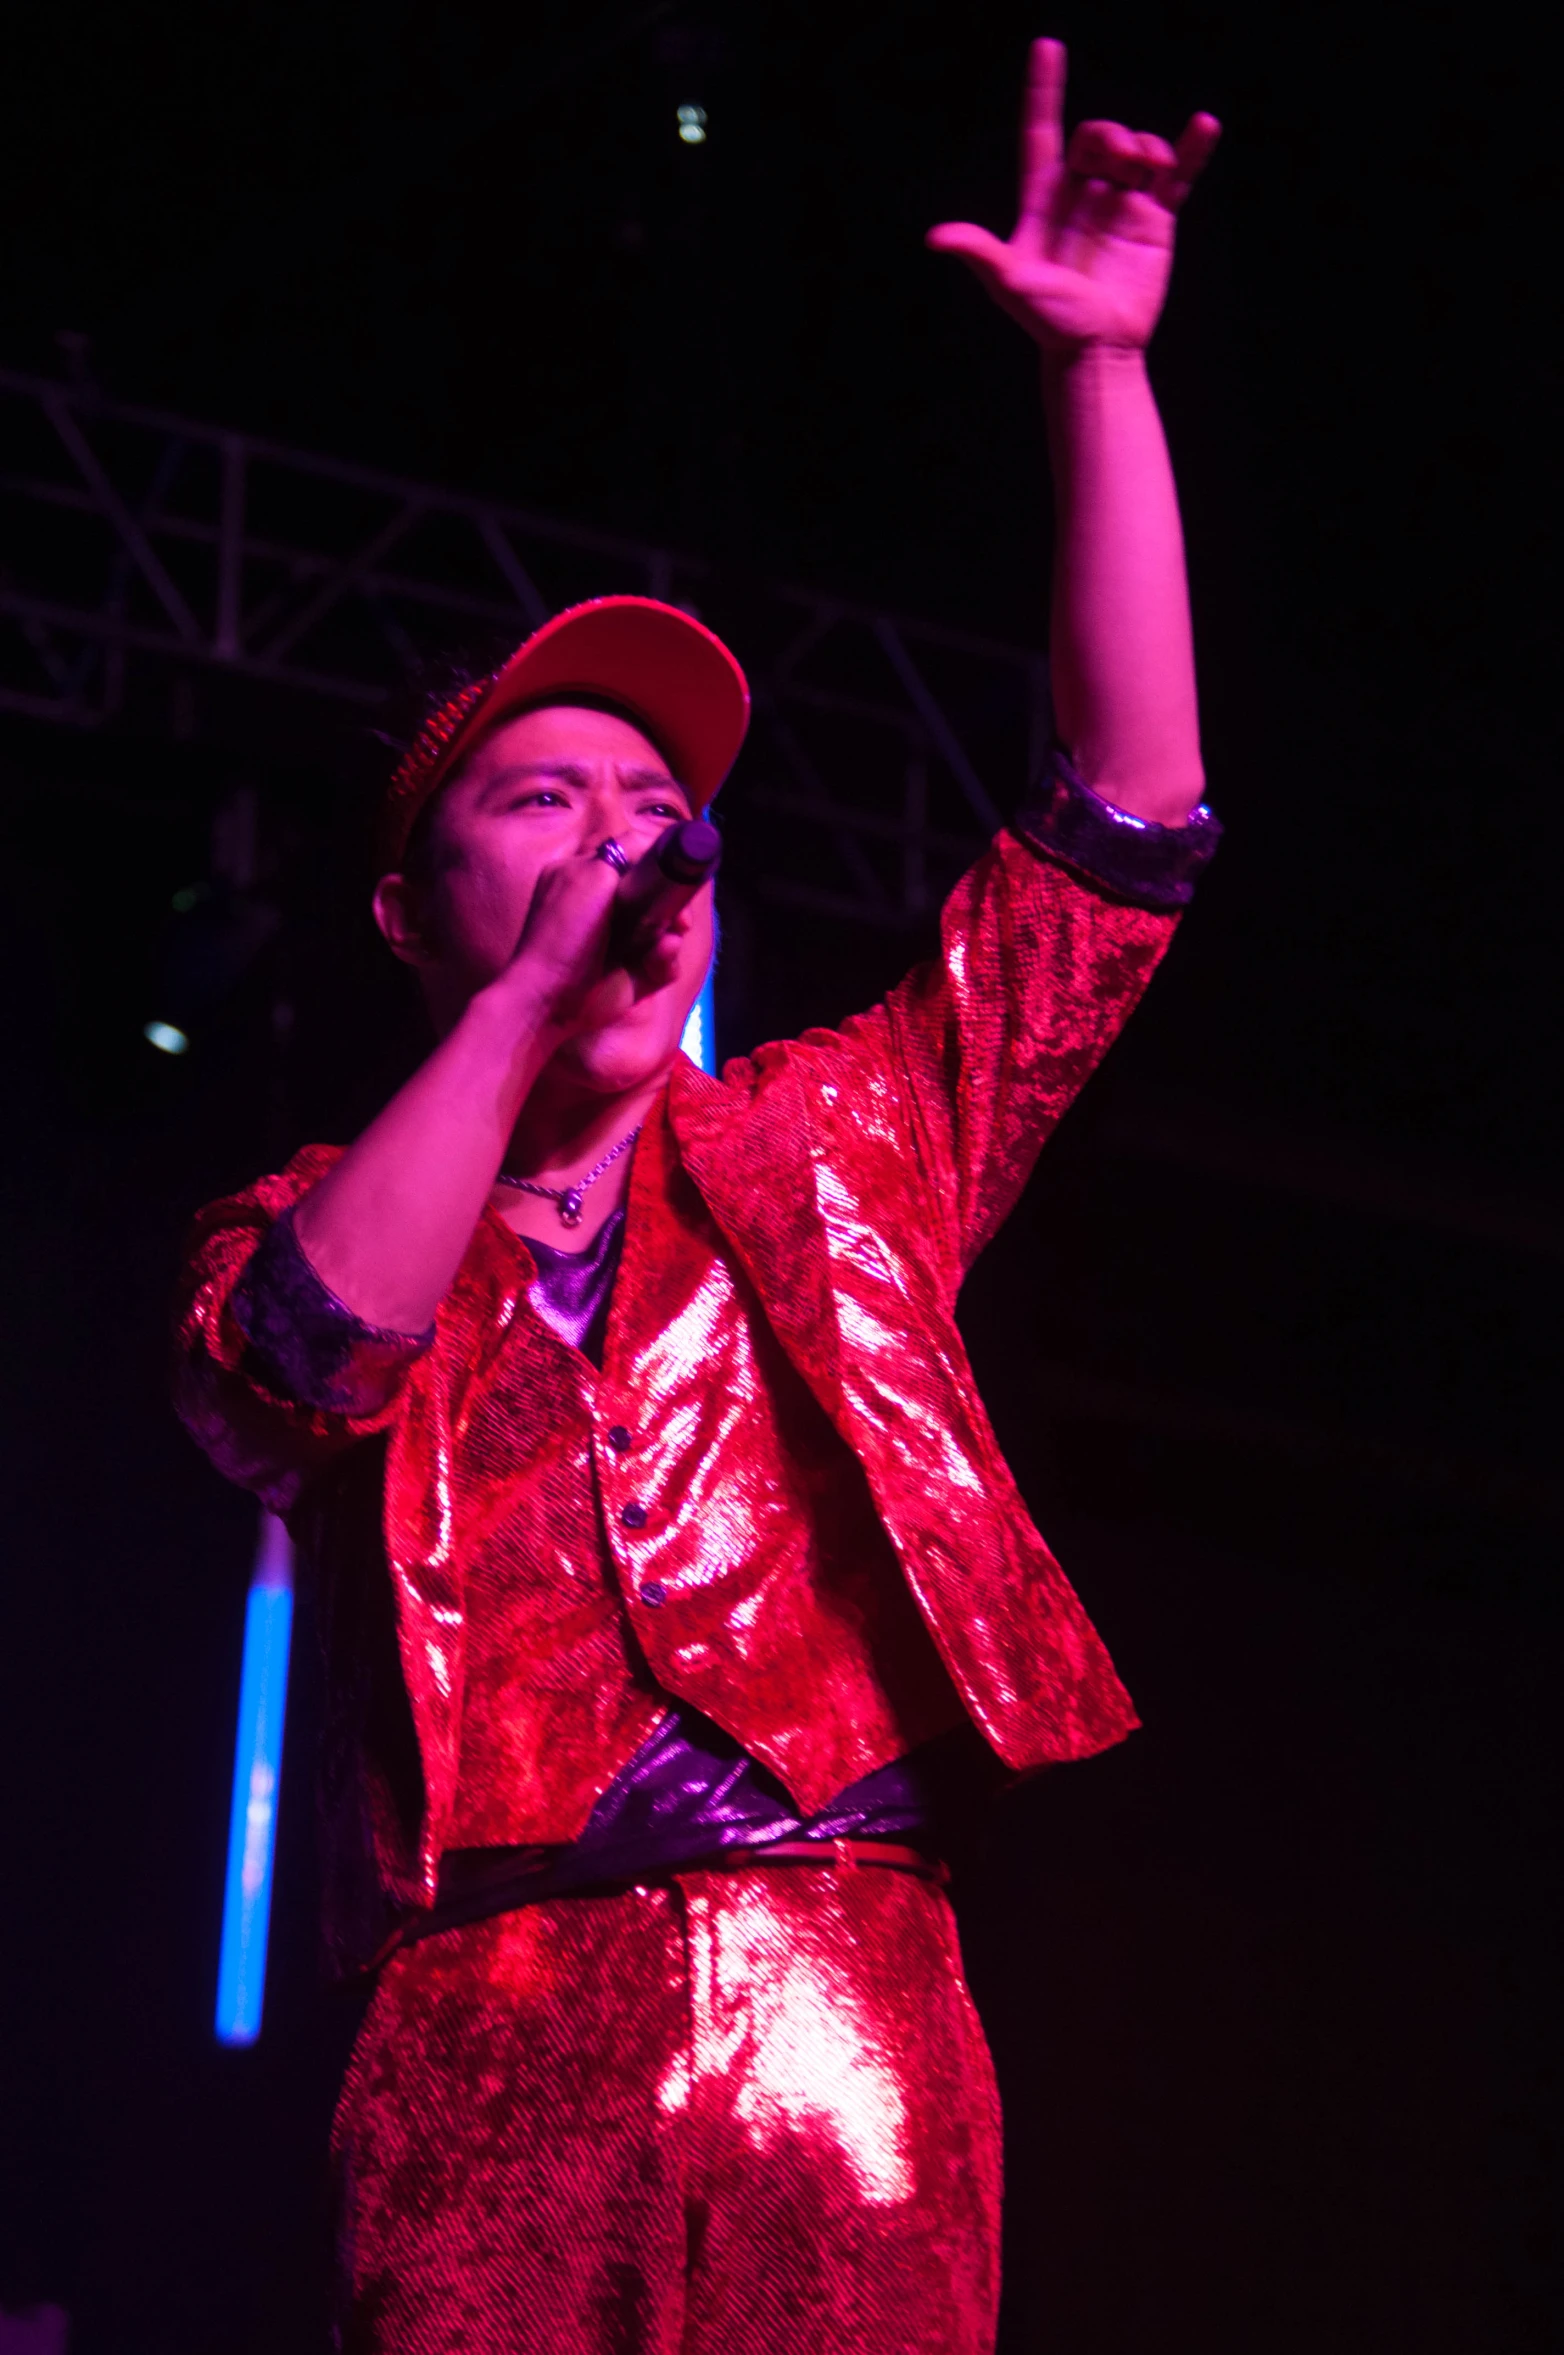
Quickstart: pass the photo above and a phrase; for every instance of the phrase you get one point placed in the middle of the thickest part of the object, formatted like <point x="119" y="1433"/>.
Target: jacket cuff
<point x="306" y="1343"/>
<point x="1151" y="866"/>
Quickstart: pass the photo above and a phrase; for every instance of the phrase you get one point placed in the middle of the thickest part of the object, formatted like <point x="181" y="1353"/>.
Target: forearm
<point x="388" y="1225"/>
<point x="1121" y="651"/>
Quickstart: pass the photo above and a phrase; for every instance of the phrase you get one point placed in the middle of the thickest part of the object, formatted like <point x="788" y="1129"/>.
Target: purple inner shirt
<point x="574" y="1290"/>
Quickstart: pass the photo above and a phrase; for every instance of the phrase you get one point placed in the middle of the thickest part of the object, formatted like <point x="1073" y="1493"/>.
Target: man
<point x="671" y="1575"/>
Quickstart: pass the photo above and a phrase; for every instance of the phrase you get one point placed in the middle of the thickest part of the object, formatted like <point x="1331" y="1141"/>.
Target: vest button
<point x="654" y="1594"/>
<point x="634" y="1516"/>
<point x="618" y="1438"/>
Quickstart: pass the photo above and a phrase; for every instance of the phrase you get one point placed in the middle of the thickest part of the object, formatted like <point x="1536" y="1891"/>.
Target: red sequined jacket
<point x="780" y="1499"/>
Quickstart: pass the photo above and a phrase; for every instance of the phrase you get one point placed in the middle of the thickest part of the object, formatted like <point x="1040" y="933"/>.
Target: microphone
<point x="684" y="856"/>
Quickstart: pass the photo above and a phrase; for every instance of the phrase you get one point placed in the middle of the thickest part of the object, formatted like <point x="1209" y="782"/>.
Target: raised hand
<point x="1089" y="257"/>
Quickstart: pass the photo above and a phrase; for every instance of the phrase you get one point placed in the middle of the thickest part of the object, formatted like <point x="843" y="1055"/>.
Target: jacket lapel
<point x="753" y="1154"/>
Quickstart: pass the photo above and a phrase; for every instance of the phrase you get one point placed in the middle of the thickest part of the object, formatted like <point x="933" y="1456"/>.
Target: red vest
<point x="780" y="1499"/>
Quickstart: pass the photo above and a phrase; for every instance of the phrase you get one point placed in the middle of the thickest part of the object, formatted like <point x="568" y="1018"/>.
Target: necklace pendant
<point x="570" y="1208"/>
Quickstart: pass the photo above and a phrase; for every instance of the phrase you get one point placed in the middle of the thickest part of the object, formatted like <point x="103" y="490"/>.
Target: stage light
<point x="692" y="125"/>
<point x="252" y="1820"/>
<point x="700" y="1030"/>
<point x="165" y="1037"/>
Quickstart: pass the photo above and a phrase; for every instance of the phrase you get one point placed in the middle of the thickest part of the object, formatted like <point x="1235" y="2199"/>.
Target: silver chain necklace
<point x="567" y="1199"/>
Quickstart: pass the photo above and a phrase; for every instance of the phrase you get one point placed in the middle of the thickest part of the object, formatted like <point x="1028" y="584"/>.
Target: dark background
<point x="1271" y="1342"/>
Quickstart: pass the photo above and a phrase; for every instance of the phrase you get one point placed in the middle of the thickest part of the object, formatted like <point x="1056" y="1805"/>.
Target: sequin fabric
<point x="308" y="1345"/>
<point x="689" y="1790"/>
<point x="747" y="2113"/>
<point x="779" y="1501"/>
<point x="410" y="781"/>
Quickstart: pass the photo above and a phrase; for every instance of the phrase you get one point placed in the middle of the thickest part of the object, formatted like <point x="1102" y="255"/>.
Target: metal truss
<point x="152" y="566"/>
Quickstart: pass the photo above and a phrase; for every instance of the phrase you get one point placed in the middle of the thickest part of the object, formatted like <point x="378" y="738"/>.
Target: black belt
<point x="508" y="1894"/>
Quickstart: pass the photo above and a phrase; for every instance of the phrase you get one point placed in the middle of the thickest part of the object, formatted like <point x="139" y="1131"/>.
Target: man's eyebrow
<point x="653" y="780"/>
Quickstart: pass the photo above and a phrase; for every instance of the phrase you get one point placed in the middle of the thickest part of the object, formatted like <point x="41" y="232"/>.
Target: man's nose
<point x="602" y="814"/>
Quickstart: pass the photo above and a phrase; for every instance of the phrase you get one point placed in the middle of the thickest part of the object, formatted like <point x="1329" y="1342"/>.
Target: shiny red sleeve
<point x="979" y="1052"/>
<point x="254" y="1434"/>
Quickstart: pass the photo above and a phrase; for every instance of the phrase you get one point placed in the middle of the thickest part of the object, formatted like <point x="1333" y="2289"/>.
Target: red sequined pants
<point x="751" y="2113"/>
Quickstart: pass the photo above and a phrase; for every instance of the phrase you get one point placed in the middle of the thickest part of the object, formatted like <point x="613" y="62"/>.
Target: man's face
<point x="542" y="789"/>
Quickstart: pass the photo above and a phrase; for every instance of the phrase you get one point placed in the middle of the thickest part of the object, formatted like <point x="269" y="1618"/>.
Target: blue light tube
<point x="700" y="1030"/>
<point x="252" y="1821"/>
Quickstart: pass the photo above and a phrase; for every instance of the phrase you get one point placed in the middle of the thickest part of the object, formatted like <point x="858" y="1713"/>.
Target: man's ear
<point x="400" y="916"/>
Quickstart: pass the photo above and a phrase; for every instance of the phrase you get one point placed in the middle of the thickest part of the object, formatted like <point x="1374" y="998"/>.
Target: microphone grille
<point x="690" y="852"/>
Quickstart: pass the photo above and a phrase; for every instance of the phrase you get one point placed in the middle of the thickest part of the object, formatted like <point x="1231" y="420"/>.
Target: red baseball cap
<point x="665" y="670"/>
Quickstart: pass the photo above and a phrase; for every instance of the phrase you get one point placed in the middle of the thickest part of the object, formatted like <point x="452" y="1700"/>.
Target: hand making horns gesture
<point x="1089" y="257"/>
